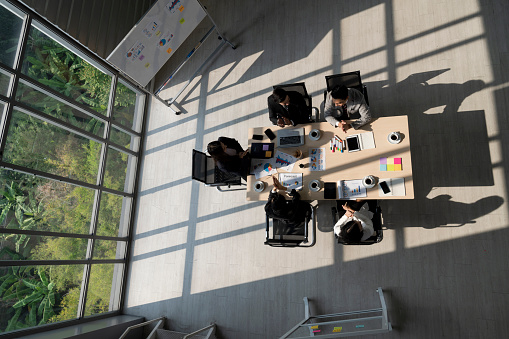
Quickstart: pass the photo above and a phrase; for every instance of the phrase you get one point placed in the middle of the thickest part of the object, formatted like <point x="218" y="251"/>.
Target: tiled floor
<point x="198" y="254"/>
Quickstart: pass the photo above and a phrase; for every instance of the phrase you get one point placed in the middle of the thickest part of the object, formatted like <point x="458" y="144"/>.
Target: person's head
<point x="216" y="150"/>
<point x="352" y="231"/>
<point x="339" y="95"/>
<point x="280" y="96"/>
<point x="278" y="204"/>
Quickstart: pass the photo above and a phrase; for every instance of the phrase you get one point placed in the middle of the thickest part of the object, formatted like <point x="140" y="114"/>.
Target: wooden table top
<point x="346" y="165"/>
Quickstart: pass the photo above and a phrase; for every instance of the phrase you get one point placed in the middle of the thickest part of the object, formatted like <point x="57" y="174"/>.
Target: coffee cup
<point x="314" y="185"/>
<point x="259" y="185"/>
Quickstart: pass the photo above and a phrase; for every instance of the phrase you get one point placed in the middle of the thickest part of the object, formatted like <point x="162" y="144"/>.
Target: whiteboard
<point x="156" y="37"/>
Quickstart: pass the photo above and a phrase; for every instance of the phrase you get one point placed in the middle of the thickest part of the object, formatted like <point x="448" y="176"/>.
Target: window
<point x="67" y="171"/>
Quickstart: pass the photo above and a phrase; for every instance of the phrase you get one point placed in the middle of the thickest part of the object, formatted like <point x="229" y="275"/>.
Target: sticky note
<point x="158" y="33"/>
<point x="316" y="331"/>
<point x="147" y="65"/>
<point x="359" y="326"/>
<point x="337" y="329"/>
<point x="181" y="20"/>
<point x="383" y="161"/>
<point x="265" y="147"/>
<point x="181" y="8"/>
<point x="397" y="161"/>
<point x="390" y="161"/>
<point x="383" y="168"/>
<point x="314" y="327"/>
<point x="268" y="154"/>
<point x="390" y="167"/>
<point x="397" y="167"/>
<point x="169" y="50"/>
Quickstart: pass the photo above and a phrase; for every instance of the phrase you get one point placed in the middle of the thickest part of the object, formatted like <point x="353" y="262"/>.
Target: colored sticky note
<point x="268" y="154"/>
<point x="147" y="65"/>
<point x="316" y="331"/>
<point x="359" y="326"/>
<point x="390" y="167"/>
<point x="314" y="327"/>
<point x="397" y="161"/>
<point x="383" y="161"/>
<point x="169" y="50"/>
<point x="383" y="168"/>
<point x="181" y="8"/>
<point x="265" y="147"/>
<point x="337" y="329"/>
<point x="390" y="161"/>
<point x="181" y="20"/>
<point x="397" y="167"/>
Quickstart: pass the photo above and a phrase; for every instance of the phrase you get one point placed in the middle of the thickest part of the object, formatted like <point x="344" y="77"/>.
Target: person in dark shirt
<point x="229" y="156"/>
<point x="287" y="108"/>
<point x="291" y="212"/>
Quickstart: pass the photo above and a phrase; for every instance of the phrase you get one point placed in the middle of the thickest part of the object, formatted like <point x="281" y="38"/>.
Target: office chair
<point x="205" y="171"/>
<point x="377" y="226"/>
<point x="300" y="87"/>
<point x="291" y="235"/>
<point x="350" y="80"/>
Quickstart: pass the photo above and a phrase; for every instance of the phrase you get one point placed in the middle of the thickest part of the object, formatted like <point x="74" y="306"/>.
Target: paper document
<point x="351" y="189"/>
<point x="396" y="185"/>
<point x="263" y="167"/>
<point x="317" y="159"/>
<point x="291" y="181"/>
<point x="367" y="140"/>
<point x="285" y="161"/>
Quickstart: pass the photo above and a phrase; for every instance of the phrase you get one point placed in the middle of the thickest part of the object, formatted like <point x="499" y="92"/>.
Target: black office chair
<point x="205" y="171"/>
<point x="300" y="87"/>
<point x="291" y="235"/>
<point x="350" y="80"/>
<point x="377" y="219"/>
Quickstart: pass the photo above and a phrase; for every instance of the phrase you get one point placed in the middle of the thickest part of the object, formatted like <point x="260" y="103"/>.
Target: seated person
<point x="287" y="108"/>
<point x="345" y="104"/>
<point x="355" y="225"/>
<point x="229" y="156"/>
<point x="291" y="212"/>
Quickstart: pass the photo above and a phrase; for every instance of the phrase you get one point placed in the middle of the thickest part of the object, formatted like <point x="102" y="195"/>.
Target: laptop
<point x="290" y="137"/>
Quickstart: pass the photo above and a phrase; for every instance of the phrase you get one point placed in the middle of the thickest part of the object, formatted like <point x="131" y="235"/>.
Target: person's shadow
<point x="449" y="148"/>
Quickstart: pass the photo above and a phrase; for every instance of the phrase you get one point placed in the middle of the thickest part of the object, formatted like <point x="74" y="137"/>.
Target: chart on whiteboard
<point x="154" y="39"/>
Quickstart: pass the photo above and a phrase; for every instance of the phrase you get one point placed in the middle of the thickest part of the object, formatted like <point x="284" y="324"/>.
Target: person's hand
<point x="243" y="154"/>
<point x="345" y="126"/>
<point x="280" y="122"/>
<point x="277" y="184"/>
<point x="349" y="211"/>
<point x="287" y="121"/>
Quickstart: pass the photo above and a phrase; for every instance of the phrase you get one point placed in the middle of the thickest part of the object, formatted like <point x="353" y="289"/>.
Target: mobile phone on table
<point x="329" y="191"/>
<point x="270" y="134"/>
<point x="385" y="188"/>
<point x="257" y="137"/>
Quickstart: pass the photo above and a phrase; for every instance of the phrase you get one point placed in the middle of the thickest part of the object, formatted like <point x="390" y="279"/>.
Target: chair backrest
<point x="203" y="167"/>
<point x="299" y="87"/>
<point x="350" y="80"/>
<point x="291" y="235"/>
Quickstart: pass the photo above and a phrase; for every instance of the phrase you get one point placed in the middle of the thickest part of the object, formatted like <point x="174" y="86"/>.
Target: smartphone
<point x="384" y="187"/>
<point x="270" y="134"/>
<point x="257" y="137"/>
<point x="329" y="191"/>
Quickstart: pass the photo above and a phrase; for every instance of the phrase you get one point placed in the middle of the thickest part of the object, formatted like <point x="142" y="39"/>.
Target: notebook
<point x="396" y="185"/>
<point x="290" y="137"/>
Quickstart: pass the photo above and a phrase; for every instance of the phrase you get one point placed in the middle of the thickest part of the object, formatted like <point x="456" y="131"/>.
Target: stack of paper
<point x="396" y="185"/>
<point x="351" y="189"/>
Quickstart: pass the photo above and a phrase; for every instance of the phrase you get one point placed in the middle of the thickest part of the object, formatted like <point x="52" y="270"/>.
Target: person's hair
<point x="278" y="205"/>
<point x="279" y="95"/>
<point x="350" y="231"/>
<point x="340" y="92"/>
<point x="217" y="153"/>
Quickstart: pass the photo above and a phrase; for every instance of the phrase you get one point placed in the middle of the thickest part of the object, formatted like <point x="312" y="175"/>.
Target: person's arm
<point x="231" y="143"/>
<point x="341" y="222"/>
<point x="367" y="225"/>
<point x="295" y="195"/>
<point x="274" y="113"/>
<point x="329" y="110"/>
<point x="364" y="111"/>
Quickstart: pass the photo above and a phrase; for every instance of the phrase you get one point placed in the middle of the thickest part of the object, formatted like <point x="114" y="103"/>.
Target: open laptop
<point x="290" y="137"/>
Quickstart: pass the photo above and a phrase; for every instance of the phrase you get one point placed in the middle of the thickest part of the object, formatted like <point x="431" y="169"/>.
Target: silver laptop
<point x="290" y="137"/>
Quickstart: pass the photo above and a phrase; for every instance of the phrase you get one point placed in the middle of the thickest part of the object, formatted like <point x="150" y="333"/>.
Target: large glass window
<point x="66" y="192"/>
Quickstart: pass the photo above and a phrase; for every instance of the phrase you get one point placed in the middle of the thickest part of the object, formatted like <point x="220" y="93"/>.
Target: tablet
<point x="352" y="143"/>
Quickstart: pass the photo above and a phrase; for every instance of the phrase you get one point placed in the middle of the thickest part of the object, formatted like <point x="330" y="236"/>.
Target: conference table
<point x="344" y="165"/>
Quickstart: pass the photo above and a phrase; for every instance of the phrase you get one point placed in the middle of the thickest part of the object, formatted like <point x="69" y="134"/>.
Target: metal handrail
<point x="139" y="325"/>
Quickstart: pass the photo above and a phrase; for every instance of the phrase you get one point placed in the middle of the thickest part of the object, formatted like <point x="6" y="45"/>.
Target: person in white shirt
<point x="355" y="226"/>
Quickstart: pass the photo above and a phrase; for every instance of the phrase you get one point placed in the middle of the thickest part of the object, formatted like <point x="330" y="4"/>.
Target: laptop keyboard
<point x="289" y="140"/>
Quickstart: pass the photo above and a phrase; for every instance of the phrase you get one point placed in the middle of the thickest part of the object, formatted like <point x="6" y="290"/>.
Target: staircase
<point x="98" y="24"/>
